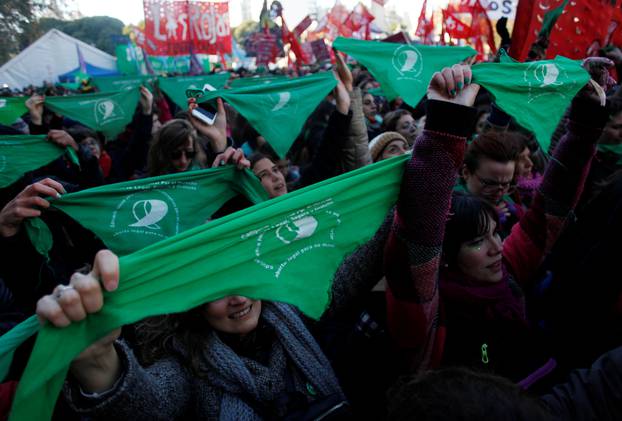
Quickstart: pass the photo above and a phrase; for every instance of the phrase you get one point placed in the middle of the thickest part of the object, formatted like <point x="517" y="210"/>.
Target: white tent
<point x="53" y="54"/>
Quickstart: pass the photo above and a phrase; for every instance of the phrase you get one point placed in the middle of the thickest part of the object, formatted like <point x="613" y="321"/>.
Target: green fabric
<point x="162" y="65"/>
<point x="108" y="112"/>
<point x="535" y="94"/>
<point x="11" y="108"/>
<point x="376" y="92"/>
<point x="613" y="150"/>
<point x="252" y="81"/>
<point x="131" y="215"/>
<point x="39" y="235"/>
<point x="11" y="340"/>
<point x="20" y="154"/>
<point x="403" y="70"/>
<point x="278" y="110"/>
<point x="72" y="155"/>
<point x="550" y="18"/>
<point x="119" y="83"/>
<point x="126" y="64"/>
<point x="175" y="87"/>
<point x="264" y="252"/>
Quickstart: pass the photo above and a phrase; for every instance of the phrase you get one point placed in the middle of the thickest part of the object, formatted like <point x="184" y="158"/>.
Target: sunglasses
<point x="175" y="155"/>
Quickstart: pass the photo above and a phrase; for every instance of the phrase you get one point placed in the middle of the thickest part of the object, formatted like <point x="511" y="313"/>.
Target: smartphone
<point x="207" y="113"/>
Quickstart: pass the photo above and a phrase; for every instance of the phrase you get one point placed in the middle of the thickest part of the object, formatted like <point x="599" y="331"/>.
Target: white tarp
<point x="48" y="57"/>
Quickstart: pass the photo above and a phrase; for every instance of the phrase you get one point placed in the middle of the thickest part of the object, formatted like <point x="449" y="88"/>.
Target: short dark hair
<point x="468" y="218"/>
<point x="457" y="393"/>
<point x="391" y="118"/>
<point x="496" y="146"/>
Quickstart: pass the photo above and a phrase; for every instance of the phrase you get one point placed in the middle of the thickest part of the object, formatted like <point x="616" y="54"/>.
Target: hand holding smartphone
<point x="207" y="112"/>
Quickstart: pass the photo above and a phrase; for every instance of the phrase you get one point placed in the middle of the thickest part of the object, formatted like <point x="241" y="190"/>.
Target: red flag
<point x="425" y="27"/>
<point x="455" y="27"/>
<point x="529" y="17"/>
<point x="290" y="38"/>
<point x="481" y="25"/>
<point x="336" y="18"/>
<point x="302" y="26"/>
<point x="581" y="30"/>
<point x="359" y="17"/>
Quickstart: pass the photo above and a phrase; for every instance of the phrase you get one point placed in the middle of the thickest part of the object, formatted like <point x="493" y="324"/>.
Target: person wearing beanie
<point x="387" y="145"/>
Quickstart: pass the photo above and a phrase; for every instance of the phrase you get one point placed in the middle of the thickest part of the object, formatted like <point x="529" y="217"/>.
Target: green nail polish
<point x="452" y="92"/>
<point x="460" y="86"/>
<point x="468" y="81"/>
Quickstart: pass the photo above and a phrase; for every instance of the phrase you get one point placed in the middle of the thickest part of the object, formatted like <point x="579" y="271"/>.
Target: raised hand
<point x="217" y="132"/>
<point x="453" y="84"/>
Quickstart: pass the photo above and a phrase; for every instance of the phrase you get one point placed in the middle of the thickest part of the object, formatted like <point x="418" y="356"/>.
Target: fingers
<point x="221" y="106"/>
<point x="438" y="81"/>
<point x="458" y="76"/>
<point x="223" y="158"/>
<point x="106" y="268"/>
<point x="70" y="301"/>
<point x="450" y="85"/>
<point x="49" y="309"/>
<point x="88" y="288"/>
<point x="53" y="184"/>
<point x="240" y="160"/>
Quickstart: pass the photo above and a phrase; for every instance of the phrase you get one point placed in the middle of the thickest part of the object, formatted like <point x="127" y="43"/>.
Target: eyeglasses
<point x="175" y="155"/>
<point x="489" y="185"/>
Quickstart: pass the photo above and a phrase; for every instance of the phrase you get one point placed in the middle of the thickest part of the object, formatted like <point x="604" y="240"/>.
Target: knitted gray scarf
<point x="235" y="379"/>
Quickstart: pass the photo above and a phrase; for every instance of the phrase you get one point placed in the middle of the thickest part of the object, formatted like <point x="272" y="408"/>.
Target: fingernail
<point x="58" y="196"/>
<point x="460" y="86"/>
<point x="467" y="81"/>
<point x="452" y="92"/>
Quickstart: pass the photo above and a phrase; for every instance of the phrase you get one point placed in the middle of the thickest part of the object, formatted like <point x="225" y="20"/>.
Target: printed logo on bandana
<point x="280" y="245"/>
<point x="282" y="102"/>
<point x="152" y="213"/>
<point x="107" y="111"/>
<point x="545" y="79"/>
<point x="408" y="62"/>
<point x="2" y="103"/>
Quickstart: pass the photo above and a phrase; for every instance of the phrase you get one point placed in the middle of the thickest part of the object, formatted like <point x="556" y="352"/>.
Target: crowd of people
<point x="488" y="292"/>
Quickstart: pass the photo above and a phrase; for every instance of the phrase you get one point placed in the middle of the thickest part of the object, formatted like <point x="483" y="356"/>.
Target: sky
<point x="131" y="11"/>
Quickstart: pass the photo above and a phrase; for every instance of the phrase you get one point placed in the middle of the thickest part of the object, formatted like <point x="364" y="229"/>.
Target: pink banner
<point x="179" y="27"/>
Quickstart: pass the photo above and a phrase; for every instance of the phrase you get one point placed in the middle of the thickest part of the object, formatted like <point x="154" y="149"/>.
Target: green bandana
<point x="175" y="87"/>
<point x="120" y="83"/>
<point x="108" y="112"/>
<point x="252" y="81"/>
<point x="264" y="252"/>
<point x="536" y="94"/>
<point x="20" y="154"/>
<point x="278" y="110"/>
<point x="11" y="109"/>
<point x="403" y="70"/>
<point x="131" y="215"/>
<point x="608" y="149"/>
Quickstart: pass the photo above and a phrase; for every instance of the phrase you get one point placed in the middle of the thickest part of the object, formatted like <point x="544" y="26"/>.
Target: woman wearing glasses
<point x="488" y="172"/>
<point x="454" y="288"/>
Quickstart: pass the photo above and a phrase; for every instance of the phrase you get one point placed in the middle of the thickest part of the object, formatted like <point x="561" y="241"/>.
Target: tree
<point x="99" y="31"/>
<point x="243" y="30"/>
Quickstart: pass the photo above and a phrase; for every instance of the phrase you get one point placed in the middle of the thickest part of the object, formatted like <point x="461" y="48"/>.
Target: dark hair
<point x="171" y="136"/>
<point x="156" y="337"/>
<point x="390" y="119"/>
<point x="469" y="217"/>
<point x="80" y="133"/>
<point x="457" y="393"/>
<point x="496" y="146"/>
<point x="258" y="156"/>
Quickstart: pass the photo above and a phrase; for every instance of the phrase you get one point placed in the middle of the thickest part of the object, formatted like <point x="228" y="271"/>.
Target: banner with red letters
<point x="180" y="27"/>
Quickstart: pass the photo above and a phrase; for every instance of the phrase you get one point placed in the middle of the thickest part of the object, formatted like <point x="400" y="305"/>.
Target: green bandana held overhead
<point x="535" y="94"/>
<point x="11" y="109"/>
<point x="131" y="215"/>
<point x="252" y="81"/>
<point x="263" y="252"/>
<point x="20" y="154"/>
<point x="403" y="70"/>
<point x="175" y="87"/>
<point x="278" y="110"/>
<point x="108" y="112"/>
<point x="120" y="83"/>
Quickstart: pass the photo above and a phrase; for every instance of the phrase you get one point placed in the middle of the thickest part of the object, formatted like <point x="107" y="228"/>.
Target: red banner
<point x="180" y="27"/>
<point x="455" y="27"/>
<point x="302" y="26"/>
